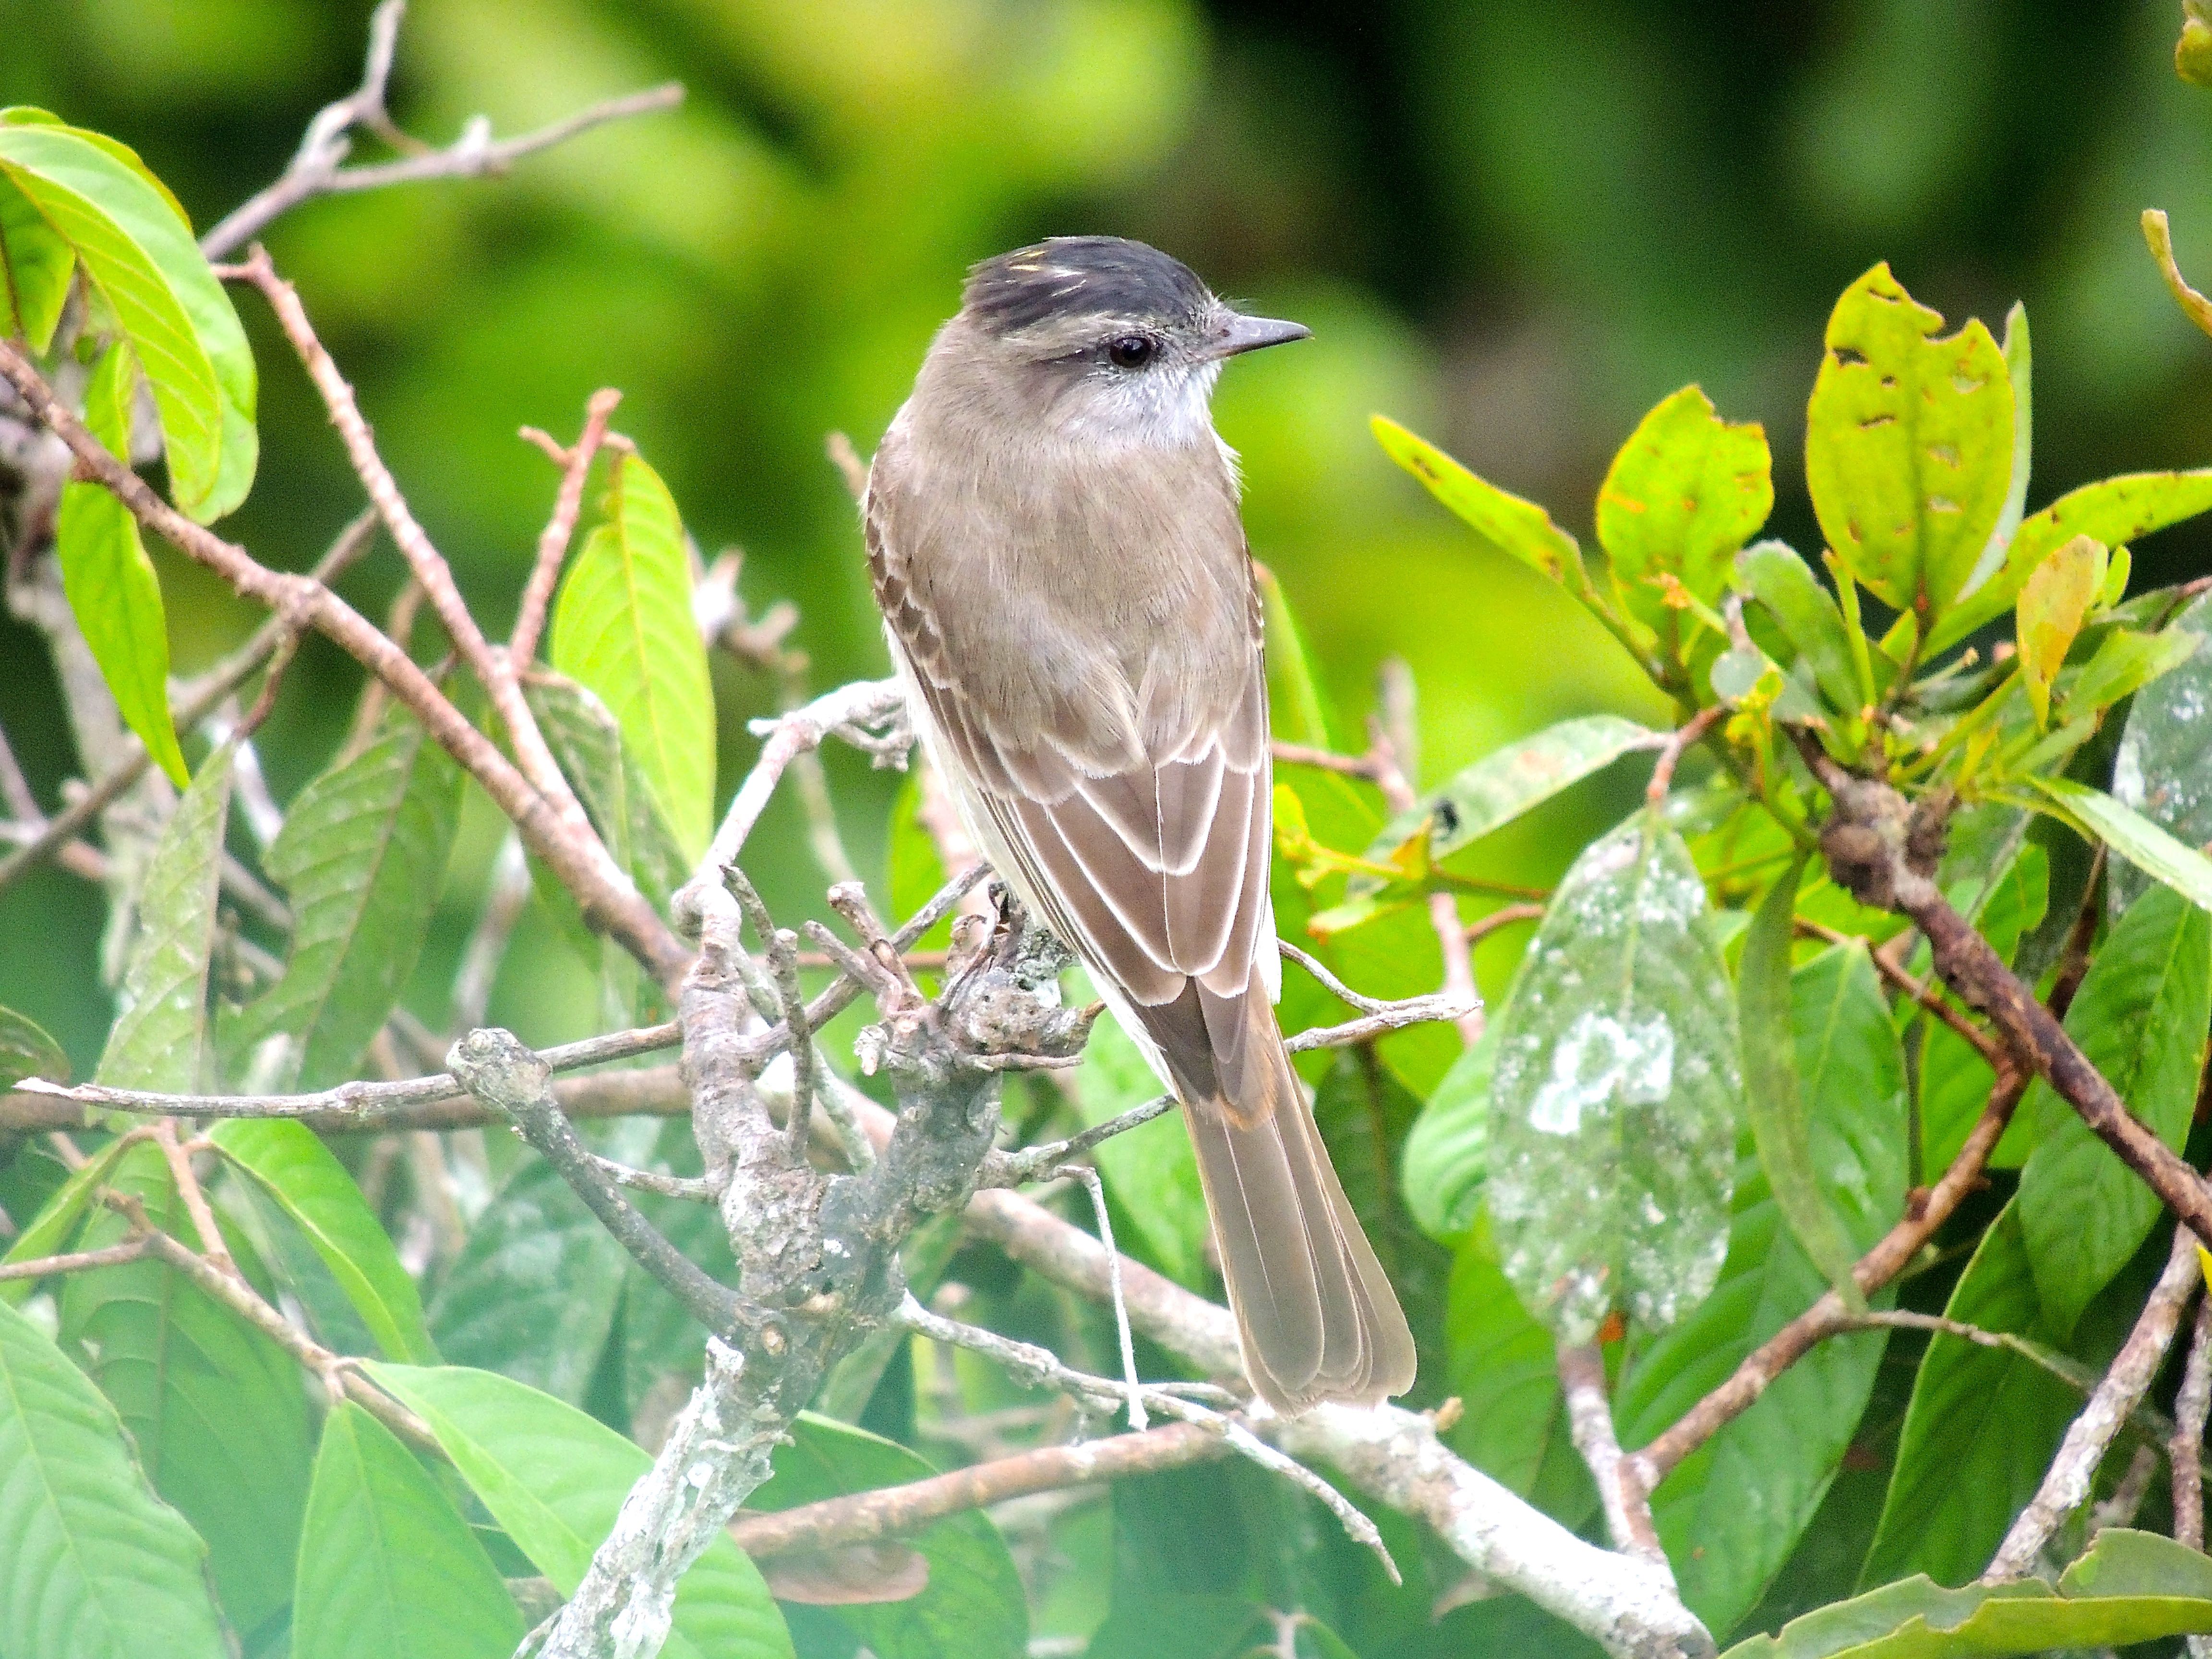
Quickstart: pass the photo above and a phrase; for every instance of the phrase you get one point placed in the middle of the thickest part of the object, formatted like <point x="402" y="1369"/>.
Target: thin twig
<point x="495" y="669"/>
<point x="315" y="170"/>
<point x="195" y="1198"/>
<point x="1093" y="1185"/>
<point x="1041" y="1368"/>
<point x="1627" y="1502"/>
<point x="1929" y="996"/>
<point x="553" y="542"/>
<point x="2065" y="1486"/>
<point x="2185" y="1450"/>
<point x="1924" y="1215"/>
<point x="76" y="1261"/>
<point x="1362" y="767"/>
<point x="892" y="1512"/>
<point x="1672" y="750"/>
<point x="1035" y="1163"/>
<point x="692" y="1188"/>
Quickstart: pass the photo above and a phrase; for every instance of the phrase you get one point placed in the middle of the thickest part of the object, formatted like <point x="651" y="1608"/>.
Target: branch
<point x="1884" y="854"/>
<point x="576" y="464"/>
<point x="494" y="669"/>
<point x="1921" y="992"/>
<point x="891" y="1511"/>
<point x="498" y="1070"/>
<point x="2065" y="1486"/>
<point x="315" y="171"/>
<point x="1627" y="1502"/>
<point x="609" y="904"/>
<point x="1924" y="1214"/>
<point x="75" y="1261"/>
<point x="2185" y="1449"/>
<point x="2194" y="306"/>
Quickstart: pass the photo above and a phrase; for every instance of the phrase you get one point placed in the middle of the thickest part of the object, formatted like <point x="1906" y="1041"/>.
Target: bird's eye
<point x="1130" y="351"/>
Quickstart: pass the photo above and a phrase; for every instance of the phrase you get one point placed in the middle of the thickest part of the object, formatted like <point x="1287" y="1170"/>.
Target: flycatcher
<point x="1052" y="526"/>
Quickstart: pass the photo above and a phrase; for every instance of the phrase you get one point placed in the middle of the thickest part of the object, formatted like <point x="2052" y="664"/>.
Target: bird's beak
<point x="1249" y="333"/>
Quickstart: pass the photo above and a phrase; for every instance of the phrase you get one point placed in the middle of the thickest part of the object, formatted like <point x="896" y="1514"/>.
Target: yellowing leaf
<point x="1685" y="492"/>
<point x="2053" y="605"/>
<point x="1908" y="444"/>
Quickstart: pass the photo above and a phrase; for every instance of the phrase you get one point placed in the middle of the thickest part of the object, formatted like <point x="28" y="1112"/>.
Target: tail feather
<point x="1315" y="1311"/>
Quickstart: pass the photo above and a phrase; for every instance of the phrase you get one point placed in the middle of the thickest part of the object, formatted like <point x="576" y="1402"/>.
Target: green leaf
<point x="1297" y="710"/>
<point x="217" y="1411"/>
<point x="2163" y="766"/>
<point x="620" y="803"/>
<point x="1503" y="1365"/>
<point x="1519" y="529"/>
<point x="35" y="268"/>
<point x="1908" y="444"/>
<point x="26" y="1051"/>
<point x="1447" y="1149"/>
<point x="914" y="872"/>
<point x="2127" y="832"/>
<point x="1150" y="1171"/>
<point x="1779" y="1123"/>
<point x="554" y="1479"/>
<point x="2125" y="662"/>
<point x="1778" y="578"/>
<point x="1685" y="492"/>
<point x="139" y="254"/>
<point x="110" y="582"/>
<point x="623" y="630"/>
<point x="1488" y="795"/>
<point x="362" y="856"/>
<point x="2141" y="1016"/>
<point x="1616" y="1094"/>
<point x="160" y="1039"/>
<point x="98" y="1567"/>
<point x="974" y="1606"/>
<point x="1732" y="1513"/>
<point x="533" y="1292"/>
<point x="2053" y="604"/>
<point x="2131" y="1587"/>
<point x="2114" y="511"/>
<point x="386" y="1566"/>
<point x="288" y="1162"/>
<point x="49" y="1230"/>
<point x="1981" y="1428"/>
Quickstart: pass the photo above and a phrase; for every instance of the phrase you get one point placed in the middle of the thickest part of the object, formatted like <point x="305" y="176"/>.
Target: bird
<point x="1055" y="539"/>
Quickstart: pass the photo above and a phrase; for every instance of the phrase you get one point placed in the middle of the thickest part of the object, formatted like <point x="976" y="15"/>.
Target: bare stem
<point x="553" y="542"/>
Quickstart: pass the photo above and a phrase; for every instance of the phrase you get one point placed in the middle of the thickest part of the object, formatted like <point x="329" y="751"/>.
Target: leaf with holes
<point x="110" y="583"/>
<point x="1685" y="492"/>
<point x="973" y="1603"/>
<point x="301" y="1173"/>
<point x="623" y="630"/>
<point x="1734" y="1510"/>
<point x="2164" y="767"/>
<point x="1908" y="445"/>
<point x="1520" y="529"/>
<point x="217" y="1411"/>
<point x="137" y="251"/>
<point x="1616" y="1094"/>
<point x="2141" y="1016"/>
<point x="1982" y="1427"/>
<point x="160" y="1039"/>
<point x="362" y="856"/>
<point x="386" y="1565"/>
<point x="98" y="1567"/>
<point x="2114" y="511"/>
<point x="554" y="1479"/>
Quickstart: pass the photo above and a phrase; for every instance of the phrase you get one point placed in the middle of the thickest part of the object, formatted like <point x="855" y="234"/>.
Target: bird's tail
<point x="1316" y="1313"/>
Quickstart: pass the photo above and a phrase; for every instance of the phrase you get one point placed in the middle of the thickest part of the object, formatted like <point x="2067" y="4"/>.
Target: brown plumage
<point x="1054" y="538"/>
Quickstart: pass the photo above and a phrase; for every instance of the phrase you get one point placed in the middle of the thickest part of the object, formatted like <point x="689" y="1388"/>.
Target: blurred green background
<point x="1512" y="226"/>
